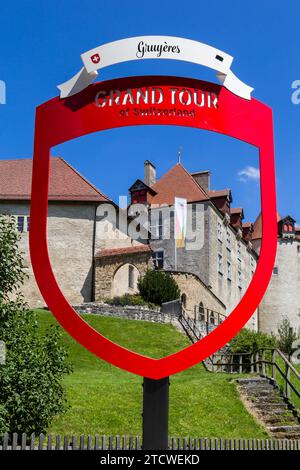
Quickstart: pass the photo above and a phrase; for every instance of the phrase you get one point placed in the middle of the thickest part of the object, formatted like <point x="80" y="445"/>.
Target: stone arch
<point x="125" y="280"/>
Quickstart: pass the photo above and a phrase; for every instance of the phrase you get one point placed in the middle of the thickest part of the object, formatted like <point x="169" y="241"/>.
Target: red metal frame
<point x="58" y="121"/>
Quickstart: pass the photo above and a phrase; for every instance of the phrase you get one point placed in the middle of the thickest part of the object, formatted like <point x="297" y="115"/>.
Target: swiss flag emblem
<point x="95" y="58"/>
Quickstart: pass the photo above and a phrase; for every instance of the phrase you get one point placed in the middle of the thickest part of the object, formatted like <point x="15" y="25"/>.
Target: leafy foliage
<point x="128" y="299"/>
<point x="247" y="341"/>
<point x="11" y="262"/>
<point x="158" y="287"/>
<point x="30" y="380"/>
<point x="286" y="336"/>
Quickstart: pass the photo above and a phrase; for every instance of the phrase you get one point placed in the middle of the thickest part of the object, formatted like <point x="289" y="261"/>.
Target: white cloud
<point x="249" y="173"/>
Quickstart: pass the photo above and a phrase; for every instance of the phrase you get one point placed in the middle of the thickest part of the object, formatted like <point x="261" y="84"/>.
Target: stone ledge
<point x="128" y="312"/>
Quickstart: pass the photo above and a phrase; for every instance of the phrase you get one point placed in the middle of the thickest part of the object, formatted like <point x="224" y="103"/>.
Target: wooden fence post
<point x="263" y="365"/>
<point x="287" y="379"/>
<point x="252" y="364"/>
<point x="241" y="364"/>
<point x="273" y="364"/>
<point x="257" y="362"/>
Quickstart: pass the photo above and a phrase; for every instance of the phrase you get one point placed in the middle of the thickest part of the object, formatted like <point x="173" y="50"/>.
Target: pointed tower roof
<point x="177" y="182"/>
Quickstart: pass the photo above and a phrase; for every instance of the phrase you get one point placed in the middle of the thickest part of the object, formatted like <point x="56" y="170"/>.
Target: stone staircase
<point x="264" y="401"/>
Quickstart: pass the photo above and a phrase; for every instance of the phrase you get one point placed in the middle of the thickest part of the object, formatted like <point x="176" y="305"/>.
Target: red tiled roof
<point x="236" y="210"/>
<point x="247" y="224"/>
<point x="123" y="251"/>
<point x="177" y="182"/>
<point x="219" y="193"/>
<point x="257" y="227"/>
<point x="66" y="184"/>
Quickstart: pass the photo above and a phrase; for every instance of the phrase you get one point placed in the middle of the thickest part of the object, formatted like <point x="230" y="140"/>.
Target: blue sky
<point x="40" y="47"/>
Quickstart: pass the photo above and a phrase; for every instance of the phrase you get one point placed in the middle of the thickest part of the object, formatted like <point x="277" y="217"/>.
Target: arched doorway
<point x="125" y="280"/>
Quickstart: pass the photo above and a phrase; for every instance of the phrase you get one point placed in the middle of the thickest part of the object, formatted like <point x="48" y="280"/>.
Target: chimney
<point x="203" y="179"/>
<point x="149" y="173"/>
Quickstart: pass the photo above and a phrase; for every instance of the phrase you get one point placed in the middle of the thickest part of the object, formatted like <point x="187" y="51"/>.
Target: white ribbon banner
<point x="154" y="47"/>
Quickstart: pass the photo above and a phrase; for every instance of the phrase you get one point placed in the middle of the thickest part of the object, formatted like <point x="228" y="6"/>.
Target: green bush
<point x="31" y="392"/>
<point x="158" y="287"/>
<point x="247" y="341"/>
<point x="129" y="299"/>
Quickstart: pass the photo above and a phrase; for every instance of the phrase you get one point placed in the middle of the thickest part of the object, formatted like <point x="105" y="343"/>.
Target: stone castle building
<point x="73" y="236"/>
<point x="95" y="256"/>
<point x="222" y="256"/>
<point x="282" y="298"/>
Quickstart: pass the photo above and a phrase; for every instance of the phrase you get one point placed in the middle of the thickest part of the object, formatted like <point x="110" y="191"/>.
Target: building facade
<point x="282" y="298"/>
<point x="218" y="248"/>
<point x="77" y="247"/>
<point x="99" y="251"/>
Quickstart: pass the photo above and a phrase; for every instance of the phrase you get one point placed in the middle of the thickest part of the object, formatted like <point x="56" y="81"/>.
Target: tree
<point x="158" y="287"/>
<point x="31" y="392"/>
<point x="286" y="336"/>
<point x="248" y="341"/>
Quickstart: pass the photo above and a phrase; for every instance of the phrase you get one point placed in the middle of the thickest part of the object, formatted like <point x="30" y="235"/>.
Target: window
<point x="201" y="312"/>
<point x="228" y="271"/>
<point x="158" y="259"/>
<point x="228" y="240"/>
<point x="156" y="227"/>
<point x="212" y="319"/>
<point x="22" y="223"/>
<point x="239" y="253"/>
<point x="275" y="270"/>
<point x="183" y="300"/>
<point x="138" y="197"/>
<point x="240" y="278"/>
<point x="220" y="263"/>
<point x="220" y="233"/>
<point x="131" y="277"/>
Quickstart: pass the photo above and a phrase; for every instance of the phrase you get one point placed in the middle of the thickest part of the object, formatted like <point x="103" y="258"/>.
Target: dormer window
<point x="287" y="227"/>
<point x="138" y="197"/>
<point x="139" y="193"/>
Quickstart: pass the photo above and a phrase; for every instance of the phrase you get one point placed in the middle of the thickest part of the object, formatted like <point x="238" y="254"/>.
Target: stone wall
<point x="196" y="292"/>
<point x="241" y="258"/>
<point x="70" y="239"/>
<point x="107" y="267"/>
<point x="194" y="257"/>
<point x="129" y="312"/>
<point x="282" y="298"/>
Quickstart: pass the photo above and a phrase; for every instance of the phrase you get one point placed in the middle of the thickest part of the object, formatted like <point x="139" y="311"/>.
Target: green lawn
<point x="107" y="400"/>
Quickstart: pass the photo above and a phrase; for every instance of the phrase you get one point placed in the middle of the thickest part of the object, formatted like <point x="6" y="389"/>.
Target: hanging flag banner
<point x="180" y="221"/>
<point x="154" y="47"/>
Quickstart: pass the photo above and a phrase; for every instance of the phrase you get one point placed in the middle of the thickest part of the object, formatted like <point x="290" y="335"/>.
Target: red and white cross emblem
<point x="95" y="58"/>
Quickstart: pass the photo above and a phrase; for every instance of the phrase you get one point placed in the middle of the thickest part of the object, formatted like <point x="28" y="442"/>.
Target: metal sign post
<point x="155" y="414"/>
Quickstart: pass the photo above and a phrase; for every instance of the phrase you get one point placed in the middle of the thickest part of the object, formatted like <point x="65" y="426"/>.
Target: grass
<point x="107" y="400"/>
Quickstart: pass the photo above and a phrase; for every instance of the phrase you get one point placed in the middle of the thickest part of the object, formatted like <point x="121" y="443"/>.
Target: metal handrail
<point x="258" y="362"/>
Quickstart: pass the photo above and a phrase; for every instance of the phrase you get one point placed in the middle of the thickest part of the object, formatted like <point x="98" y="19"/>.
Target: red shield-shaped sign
<point x="58" y="121"/>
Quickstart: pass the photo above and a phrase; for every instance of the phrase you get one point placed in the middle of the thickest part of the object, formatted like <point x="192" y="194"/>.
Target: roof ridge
<point x="195" y="182"/>
<point x="83" y="177"/>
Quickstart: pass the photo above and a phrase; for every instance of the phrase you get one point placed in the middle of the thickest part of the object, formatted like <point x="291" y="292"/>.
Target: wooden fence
<point x="49" y="442"/>
<point x="269" y="363"/>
